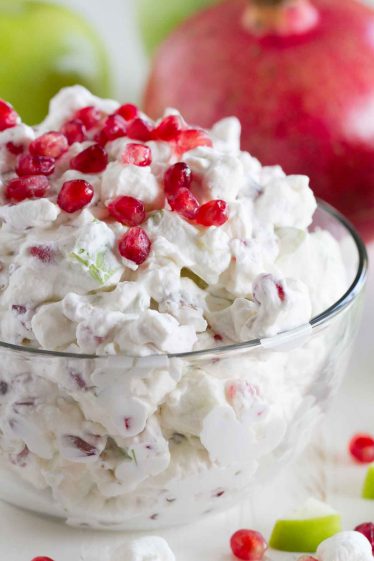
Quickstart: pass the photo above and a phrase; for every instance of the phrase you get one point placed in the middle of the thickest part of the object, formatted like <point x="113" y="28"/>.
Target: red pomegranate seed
<point x="52" y="144"/>
<point x="177" y="176"/>
<point x="127" y="210"/>
<point x="128" y="111"/>
<point x="42" y="252"/>
<point x="140" y="130"/>
<point x="137" y="155"/>
<point x="367" y="529"/>
<point x="281" y="292"/>
<point x="8" y="117"/>
<point x="213" y="213"/>
<point x="184" y="203"/>
<point x="74" y="130"/>
<point x="35" y="165"/>
<point x="74" y="195"/>
<point x="15" y="149"/>
<point x="93" y="159"/>
<point x="85" y="447"/>
<point x="169" y="129"/>
<point x="90" y="116"/>
<point x="42" y="559"/>
<point x="192" y="138"/>
<point x="248" y="545"/>
<point x="114" y="127"/>
<point x="361" y="448"/>
<point x="31" y="187"/>
<point x="135" y="245"/>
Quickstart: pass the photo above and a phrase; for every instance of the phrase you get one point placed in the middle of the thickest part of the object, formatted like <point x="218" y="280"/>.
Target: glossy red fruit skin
<point x="127" y="210"/>
<point x="93" y="159"/>
<point x="304" y="102"/>
<point x="52" y="144"/>
<point x="248" y="545"/>
<point x="8" y="116"/>
<point x="29" y="187"/>
<point x="212" y="213"/>
<point x="184" y="203"/>
<point x="367" y="529"/>
<point x="177" y="176"/>
<point x="90" y="116"/>
<point x="35" y="165"/>
<point x="74" y="130"/>
<point x="74" y="195"/>
<point x="135" y="245"/>
<point x="137" y="155"/>
<point x="128" y="111"/>
<point x="361" y="448"/>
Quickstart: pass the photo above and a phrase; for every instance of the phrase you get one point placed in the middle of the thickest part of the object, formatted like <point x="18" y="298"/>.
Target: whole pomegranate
<point x="299" y="74"/>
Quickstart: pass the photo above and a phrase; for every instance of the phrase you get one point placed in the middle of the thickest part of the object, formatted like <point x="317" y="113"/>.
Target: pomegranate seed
<point x="74" y="130"/>
<point x="213" y="213"/>
<point x="31" y="187"/>
<point x="184" y="203"/>
<point x="52" y="144"/>
<point x="42" y="252"/>
<point x="42" y="559"/>
<point x="192" y="138"/>
<point x="15" y="149"/>
<point x="169" y="128"/>
<point x="361" y="448"/>
<point x="8" y="117"/>
<point x="140" y="130"/>
<point x="93" y="159"/>
<point x="35" y="165"/>
<point x="177" y="176"/>
<point x="137" y="155"/>
<point x="86" y="448"/>
<point x="248" y="545"/>
<point x="367" y="529"/>
<point x="74" y="195"/>
<point x="281" y="292"/>
<point x="90" y="116"/>
<point x="135" y="245"/>
<point x="127" y="210"/>
<point x="114" y="127"/>
<point x="128" y="111"/>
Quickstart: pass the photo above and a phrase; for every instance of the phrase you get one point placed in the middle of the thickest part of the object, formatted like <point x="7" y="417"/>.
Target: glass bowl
<point x="138" y="443"/>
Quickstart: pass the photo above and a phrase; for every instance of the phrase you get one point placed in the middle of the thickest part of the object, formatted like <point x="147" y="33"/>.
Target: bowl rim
<point x="336" y="308"/>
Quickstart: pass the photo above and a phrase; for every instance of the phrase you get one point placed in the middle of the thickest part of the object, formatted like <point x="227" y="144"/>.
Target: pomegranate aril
<point x="15" y="149"/>
<point x="281" y="291"/>
<point x="44" y="253"/>
<point x="52" y="144"/>
<point x="192" y="138"/>
<point x="8" y="117"/>
<point x="35" y="165"/>
<point x="367" y="529"/>
<point x="248" y="545"/>
<point x="127" y="210"/>
<point x="139" y="129"/>
<point x="74" y="130"/>
<point x="30" y="187"/>
<point x="42" y="559"/>
<point x="86" y="448"/>
<point x="184" y="203"/>
<point x="128" y="111"/>
<point x="114" y="127"/>
<point x="177" y="176"/>
<point x="213" y="213"/>
<point x="168" y="129"/>
<point x="135" y="245"/>
<point x="93" y="159"/>
<point x="137" y="155"/>
<point x="361" y="448"/>
<point x="90" y="116"/>
<point x="74" y="195"/>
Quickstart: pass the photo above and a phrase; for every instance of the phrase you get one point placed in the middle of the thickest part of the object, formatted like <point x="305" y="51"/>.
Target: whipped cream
<point x="146" y="548"/>
<point x="345" y="546"/>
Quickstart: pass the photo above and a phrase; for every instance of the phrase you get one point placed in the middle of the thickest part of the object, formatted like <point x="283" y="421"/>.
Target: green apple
<point x="44" y="47"/>
<point x="306" y="528"/>
<point x="368" y="488"/>
<point x="157" y="18"/>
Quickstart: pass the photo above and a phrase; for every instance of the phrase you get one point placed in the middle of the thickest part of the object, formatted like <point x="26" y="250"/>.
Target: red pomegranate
<point x="299" y="74"/>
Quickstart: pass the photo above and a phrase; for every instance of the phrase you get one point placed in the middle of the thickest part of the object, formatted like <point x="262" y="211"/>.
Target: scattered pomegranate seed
<point x="213" y="213"/>
<point x="52" y="144"/>
<point x="74" y="130"/>
<point x="114" y="127"/>
<point x="135" y="245"/>
<point x="31" y="187"/>
<point x="35" y="165"/>
<point x="177" y="176"/>
<point x="128" y="111"/>
<point x="169" y="129"/>
<point x="361" y="448"/>
<point x="90" y="116"/>
<point x="192" y="138"/>
<point x="184" y="203"/>
<point x="85" y="447"/>
<point x="8" y="116"/>
<point x="127" y="210"/>
<point x="248" y="545"/>
<point x="15" y="149"/>
<point x="367" y="529"/>
<point x="42" y="559"/>
<point x="42" y="252"/>
<point x="74" y="195"/>
<point x="140" y="130"/>
<point x="281" y="292"/>
<point x="93" y="159"/>
<point x="137" y="155"/>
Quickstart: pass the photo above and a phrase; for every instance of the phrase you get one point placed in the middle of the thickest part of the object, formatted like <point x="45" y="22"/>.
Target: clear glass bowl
<point x="84" y="443"/>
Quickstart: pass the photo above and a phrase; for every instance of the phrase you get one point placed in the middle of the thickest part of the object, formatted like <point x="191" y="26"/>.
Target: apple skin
<point x="304" y="536"/>
<point x="44" y="47"/>
<point x="157" y="18"/>
<point x="368" y="488"/>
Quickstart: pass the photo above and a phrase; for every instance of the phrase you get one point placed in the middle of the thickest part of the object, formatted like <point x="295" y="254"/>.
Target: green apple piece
<point x="306" y="528"/>
<point x="157" y="18"/>
<point x="368" y="488"/>
<point x="44" y="47"/>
